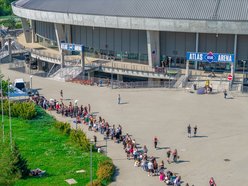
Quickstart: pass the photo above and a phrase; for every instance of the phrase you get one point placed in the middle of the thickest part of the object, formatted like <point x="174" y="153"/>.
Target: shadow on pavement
<point x="199" y="137"/>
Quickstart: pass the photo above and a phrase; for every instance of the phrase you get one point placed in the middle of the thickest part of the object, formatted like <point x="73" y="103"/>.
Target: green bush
<point x="77" y="136"/>
<point x="95" y="183"/>
<point x="81" y="139"/>
<point x="63" y="127"/>
<point x="24" y="110"/>
<point x="105" y="171"/>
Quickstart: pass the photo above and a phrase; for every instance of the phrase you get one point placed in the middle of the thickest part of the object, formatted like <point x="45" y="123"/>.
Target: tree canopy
<point x="5" y="7"/>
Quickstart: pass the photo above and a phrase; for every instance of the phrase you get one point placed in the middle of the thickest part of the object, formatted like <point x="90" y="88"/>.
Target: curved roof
<point x="226" y="10"/>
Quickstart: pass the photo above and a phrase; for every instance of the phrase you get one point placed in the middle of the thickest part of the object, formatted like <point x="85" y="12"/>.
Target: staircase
<point x="180" y="81"/>
<point x="66" y="73"/>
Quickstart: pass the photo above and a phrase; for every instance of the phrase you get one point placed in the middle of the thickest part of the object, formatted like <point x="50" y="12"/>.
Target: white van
<point x="20" y="84"/>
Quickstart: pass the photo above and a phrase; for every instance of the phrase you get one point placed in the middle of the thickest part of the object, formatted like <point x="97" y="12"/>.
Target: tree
<point x="4" y="85"/>
<point x="13" y="166"/>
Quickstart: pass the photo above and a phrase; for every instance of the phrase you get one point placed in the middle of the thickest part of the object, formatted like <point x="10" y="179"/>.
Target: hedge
<point x="105" y="171"/>
<point x="77" y="136"/>
<point x="24" y="110"/>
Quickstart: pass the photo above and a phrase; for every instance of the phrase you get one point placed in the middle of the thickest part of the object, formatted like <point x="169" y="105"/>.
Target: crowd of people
<point x="140" y="156"/>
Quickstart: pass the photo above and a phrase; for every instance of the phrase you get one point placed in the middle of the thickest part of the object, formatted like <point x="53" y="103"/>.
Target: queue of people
<point x="149" y="164"/>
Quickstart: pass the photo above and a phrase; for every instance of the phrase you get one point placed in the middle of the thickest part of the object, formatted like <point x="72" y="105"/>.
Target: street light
<point x="91" y="173"/>
<point x="169" y="61"/>
<point x="31" y="78"/>
<point x="244" y="62"/>
<point x="111" y="73"/>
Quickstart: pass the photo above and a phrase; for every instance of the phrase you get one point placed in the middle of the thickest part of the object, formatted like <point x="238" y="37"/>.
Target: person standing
<point x="212" y="182"/>
<point x="175" y="155"/>
<point x="145" y="150"/>
<point x="225" y="93"/>
<point x="61" y="93"/>
<point x="195" y="130"/>
<point x="189" y="131"/>
<point x="168" y="153"/>
<point x="155" y="142"/>
<point x="89" y="108"/>
<point x="150" y="168"/>
<point x="119" y="99"/>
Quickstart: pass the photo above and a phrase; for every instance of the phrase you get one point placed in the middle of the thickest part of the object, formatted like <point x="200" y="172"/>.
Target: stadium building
<point x="151" y="33"/>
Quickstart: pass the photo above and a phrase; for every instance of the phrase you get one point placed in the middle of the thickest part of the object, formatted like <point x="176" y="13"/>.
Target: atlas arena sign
<point x="209" y="57"/>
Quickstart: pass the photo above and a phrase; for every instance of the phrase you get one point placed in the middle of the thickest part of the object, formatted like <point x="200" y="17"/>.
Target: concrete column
<point x="60" y="33"/>
<point x="9" y="49"/>
<point x="34" y="37"/>
<point x="62" y="59"/>
<point x="196" y="47"/>
<point x="90" y="74"/>
<point x="153" y="48"/>
<point x="119" y="77"/>
<point x="26" y="30"/>
<point x="235" y="53"/>
<point x="187" y="69"/>
<point x="39" y="65"/>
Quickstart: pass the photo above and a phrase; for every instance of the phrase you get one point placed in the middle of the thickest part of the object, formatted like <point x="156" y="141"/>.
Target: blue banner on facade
<point x="209" y="57"/>
<point x="72" y="47"/>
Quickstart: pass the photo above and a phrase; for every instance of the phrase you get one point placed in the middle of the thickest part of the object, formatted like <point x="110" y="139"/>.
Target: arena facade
<point x="142" y="31"/>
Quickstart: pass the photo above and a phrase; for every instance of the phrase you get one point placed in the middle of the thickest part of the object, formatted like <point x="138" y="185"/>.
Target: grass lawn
<point x="45" y="147"/>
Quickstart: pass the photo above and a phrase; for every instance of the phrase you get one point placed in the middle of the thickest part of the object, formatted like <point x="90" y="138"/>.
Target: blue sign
<point x="72" y="47"/>
<point x="209" y="57"/>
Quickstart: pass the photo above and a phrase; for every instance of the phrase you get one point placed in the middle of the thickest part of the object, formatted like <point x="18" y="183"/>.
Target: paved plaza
<point x="145" y="113"/>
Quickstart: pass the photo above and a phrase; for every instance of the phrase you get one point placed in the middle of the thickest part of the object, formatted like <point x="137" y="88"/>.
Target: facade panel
<point x="103" y="37"/>
<point x="46" y="30"/>
<point x="125" y="40"/>
<point x="83" y="35"/>
<point x="117" y="40"/>
<point x="96" y="38"/>
<point x="142" y="42"/>
<point x="242" y="52"/>
<point x="134" y="41"/>
<point x="89" y="37"/>
<point x="110" y="39"/>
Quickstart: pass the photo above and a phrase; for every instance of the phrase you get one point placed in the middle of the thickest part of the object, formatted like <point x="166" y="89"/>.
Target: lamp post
<point x="111" y="74"/>
<point x="169" y="61"/>
<point x="91" y="172"/>
<point x="31" y="82"/>
<point x="244" y="62"/>
<point x="2" y="99"/>
<point x="10" y="123"/>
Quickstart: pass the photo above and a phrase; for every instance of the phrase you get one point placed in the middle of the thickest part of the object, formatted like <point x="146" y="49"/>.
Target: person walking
<point x="155" y="142"/>
<point x="189" y="131"/>
<point x="119" y="99"/>
<point x="195" y="130"/>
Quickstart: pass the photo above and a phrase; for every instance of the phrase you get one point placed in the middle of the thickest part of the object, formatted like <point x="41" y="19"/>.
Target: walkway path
<point x="222" y="128"/>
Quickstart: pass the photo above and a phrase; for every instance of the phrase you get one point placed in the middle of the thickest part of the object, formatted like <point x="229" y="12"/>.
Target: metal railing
<point x="144" y="84"/>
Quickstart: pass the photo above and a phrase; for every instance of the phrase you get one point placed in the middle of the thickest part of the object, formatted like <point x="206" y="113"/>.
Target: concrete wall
<point x="172" y="25"/>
